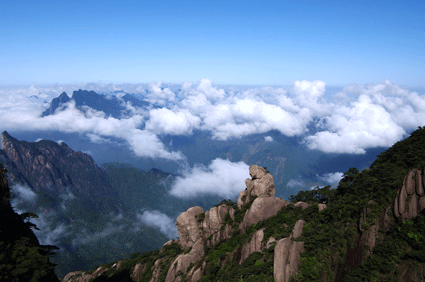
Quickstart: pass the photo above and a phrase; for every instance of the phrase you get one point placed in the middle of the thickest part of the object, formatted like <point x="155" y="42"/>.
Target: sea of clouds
<point x="352" y="120"/>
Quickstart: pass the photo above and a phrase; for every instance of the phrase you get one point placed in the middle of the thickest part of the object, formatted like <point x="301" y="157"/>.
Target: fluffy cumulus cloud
<point x="159" y="220"/>
<point x="221" y="178"/>
<point x="165" y="121"/>
<point x="351" y="121"/>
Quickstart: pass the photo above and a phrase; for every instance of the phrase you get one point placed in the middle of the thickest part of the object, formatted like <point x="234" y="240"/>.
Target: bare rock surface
<point x="138" y="271"/>
<point x="303" y="205"/>
<point x="261" y="185"/>
<point x="321" y="207"/>
<point x="261" y="209"/>
<point x="156" y="271"/>
<point x="410" y="199"/>
<point x="214" y="221"/>
<point x="253" y="245"/>
<point x="183" y="261"/>
<point x="188" y="228"/>
<point x="287" y="257"/>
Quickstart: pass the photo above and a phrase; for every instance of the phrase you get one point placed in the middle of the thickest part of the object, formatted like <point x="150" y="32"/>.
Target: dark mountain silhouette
<point x="22" y="257"/>
<point x="110" y="105"/>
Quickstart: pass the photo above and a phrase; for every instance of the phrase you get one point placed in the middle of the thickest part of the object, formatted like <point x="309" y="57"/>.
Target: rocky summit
<point x="200" y="232"/>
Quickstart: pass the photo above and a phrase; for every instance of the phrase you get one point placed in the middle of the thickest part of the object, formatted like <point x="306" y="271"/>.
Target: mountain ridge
<point x="356" y="232"/>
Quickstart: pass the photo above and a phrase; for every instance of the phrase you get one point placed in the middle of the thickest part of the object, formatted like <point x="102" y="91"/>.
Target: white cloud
<point x="159" y="220"/>
<point x="221" y="178"/>
<point x="23" y="192"/>
<point x="268" y="139"/>
<point x="358" y="127"/>
<point x="332" y="178"/>
<point x="165" y="121"/>
<point x="353" y="120"/>
<point x="142" y="142"/>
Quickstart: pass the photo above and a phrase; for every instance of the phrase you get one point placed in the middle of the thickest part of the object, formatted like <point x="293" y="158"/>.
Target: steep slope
<point x="79" y="210"/>
<point x="371" y="228"/>
<point x="22" y="258"/>
<point x="48" y="167"/>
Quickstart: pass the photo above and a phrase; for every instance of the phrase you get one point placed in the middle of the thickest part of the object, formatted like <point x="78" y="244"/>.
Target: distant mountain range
<point x="110" y="105"/>
<point x="295" y="167"/>
<point x="84" y="207"/>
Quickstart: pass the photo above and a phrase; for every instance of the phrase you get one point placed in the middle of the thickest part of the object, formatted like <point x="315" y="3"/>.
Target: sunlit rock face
<point x="188" y="227"/>
<point x="261" y="185"/>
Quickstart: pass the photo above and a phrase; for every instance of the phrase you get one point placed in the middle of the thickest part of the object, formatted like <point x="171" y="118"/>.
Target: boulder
<point x="261" y="209"/>
<point x="256" y="172"/>
<point x="183" y="261"/>
<point x="322" y="207"/>
<point x="253" y="245"/>
<point x="303" y="205"/>
<point x="261" y="185"/>
<point x="138" y="271"/>
<point x="214" y="220"/>
<point x="188" y="227"/>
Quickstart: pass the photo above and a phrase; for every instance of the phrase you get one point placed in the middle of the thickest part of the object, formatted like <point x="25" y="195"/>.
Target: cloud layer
<point x="351" y="121"/>
<point x="159" y="220"/>
<point x="221" y="178"/>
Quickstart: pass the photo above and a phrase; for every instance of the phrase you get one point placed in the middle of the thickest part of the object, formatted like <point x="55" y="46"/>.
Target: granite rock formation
<point x="410" y="200"/>
<point x="261" y="185"/>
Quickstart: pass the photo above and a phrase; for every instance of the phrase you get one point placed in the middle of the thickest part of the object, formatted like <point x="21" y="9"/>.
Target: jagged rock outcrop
<point x="410" y="199"/>
<point x="261" y="209"/>
<point x="136" y="275"/>
<point x="56" y="103"/>
<point x="188" y="227"/>
<point x="261" y="185"/>
<point x="196" y="230"/>
<point x="287" y="257"/>
<point x="214" y="224"/>
<point x="183" y="261"/>
<point x="45" y="165"/>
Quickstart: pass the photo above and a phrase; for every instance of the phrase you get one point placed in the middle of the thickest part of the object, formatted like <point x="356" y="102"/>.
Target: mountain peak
<point x="6" y="139"/>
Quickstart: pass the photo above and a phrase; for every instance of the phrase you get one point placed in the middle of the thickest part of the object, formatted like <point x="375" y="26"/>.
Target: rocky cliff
<point x="22" y="257"/>
<point x="203" y="235"/>
<point x="46" y="166"/>
<point x="371" y="228"/>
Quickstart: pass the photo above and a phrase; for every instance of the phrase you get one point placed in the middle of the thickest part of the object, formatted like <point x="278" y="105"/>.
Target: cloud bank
<point x="351" y="121"/>
<point x="221" y="178"/>
<point x="159" y="220"/>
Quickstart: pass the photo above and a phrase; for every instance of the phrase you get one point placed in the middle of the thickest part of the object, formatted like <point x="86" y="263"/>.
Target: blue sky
<point x="229" y="42"/>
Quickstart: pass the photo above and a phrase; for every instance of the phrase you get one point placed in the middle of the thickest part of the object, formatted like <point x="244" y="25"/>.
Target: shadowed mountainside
<point x="22" y="258"/>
